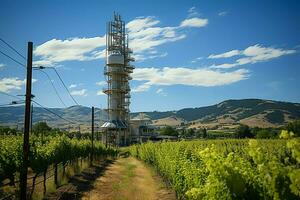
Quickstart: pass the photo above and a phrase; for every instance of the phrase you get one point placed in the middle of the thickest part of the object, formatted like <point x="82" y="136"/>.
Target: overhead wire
<point x="56" y="92"/>
<point x="11" y="47"/>
<point x="7" y="104"/>
<point x="60" y="78"/>
<point x="16" y="61"/>
<point x="65" y="85"/>
<point x="73" y="122"/>
<point x="10" y="95"/>
<point x="47" y="109"/>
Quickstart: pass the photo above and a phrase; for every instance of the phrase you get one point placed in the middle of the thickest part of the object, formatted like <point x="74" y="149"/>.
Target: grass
<point x="128" y="174"/>
<point x="71" y="169"/>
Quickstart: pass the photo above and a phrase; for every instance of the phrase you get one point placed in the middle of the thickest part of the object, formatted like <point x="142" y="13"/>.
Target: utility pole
<point x="23" y="175"/>
<point x="31" y="116"/>
<point x="93" y="119"/>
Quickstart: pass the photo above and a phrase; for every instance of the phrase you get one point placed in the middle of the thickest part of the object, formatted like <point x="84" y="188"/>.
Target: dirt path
<point x="128" y="179"/>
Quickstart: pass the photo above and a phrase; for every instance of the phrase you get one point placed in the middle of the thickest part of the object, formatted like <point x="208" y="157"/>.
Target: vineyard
<point x="44" y="153"/>
<point x="227" y="169"/>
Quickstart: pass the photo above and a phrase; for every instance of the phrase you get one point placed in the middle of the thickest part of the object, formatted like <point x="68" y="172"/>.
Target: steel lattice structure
<point x="117" y="71"/>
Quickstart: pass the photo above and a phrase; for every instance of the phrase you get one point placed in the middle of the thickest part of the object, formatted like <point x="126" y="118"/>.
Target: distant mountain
<point x="15" y="115"/>
<point x="253" y="112"/>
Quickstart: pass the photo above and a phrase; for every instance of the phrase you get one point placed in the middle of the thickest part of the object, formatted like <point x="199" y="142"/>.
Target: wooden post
<point x="31" y="116"/>
<point x="93" y="119"/>
<point x="23" y="174"/>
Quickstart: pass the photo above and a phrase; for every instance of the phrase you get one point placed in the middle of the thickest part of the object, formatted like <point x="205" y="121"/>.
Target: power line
<point x="11" y="47"/>
<point x="72" y="122"/>
<point x="64" y="85"/>
<point x="42" y="67"/>
<point x="53" y="87"/>
<point x="11" y="95"/>
<point x="7" y="104"/>
<point x="12" y="59"/>
<point x="10" y="104"/>
<point x="54" y="113"/>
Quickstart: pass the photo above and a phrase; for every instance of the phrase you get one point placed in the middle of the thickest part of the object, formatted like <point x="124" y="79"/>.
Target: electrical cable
<point x="16" y="61"/>
<point x="11" y="47"/>
<point x="65" y="85"/>
<point x="72" y="122"/>
<point x="10" y="95"/>
<point x="57" y="94"/>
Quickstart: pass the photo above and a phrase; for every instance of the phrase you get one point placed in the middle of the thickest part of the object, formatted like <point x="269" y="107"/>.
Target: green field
<point x="227" y="169"/>
<point x="45" y="153"/>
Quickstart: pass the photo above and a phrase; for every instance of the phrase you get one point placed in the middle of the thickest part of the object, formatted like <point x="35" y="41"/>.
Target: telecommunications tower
<point x="117" y="71"/>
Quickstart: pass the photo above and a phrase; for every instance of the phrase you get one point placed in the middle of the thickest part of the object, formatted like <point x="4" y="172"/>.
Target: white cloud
<point x="72" y="86"/>
<point x="141" y="88"/>
<point x="197" y="59"/>
<point x="186" y="76"/>
<point x="100" y="92"/>
<point x="44" y="63"/>
<point x="192" y="12"/>
<point x="82" y="92"/>
<point x="14" y="83"/>
<point x="144" y="33"/>
<point x="224" y="13"/>
<point x="2" y="65"/>
<point x="224" y="66"/>
<point x="226" y="54"/>
<point x="251" y="55"/>
<point x="141" y="23"/>
<point x="259" y="53"/>
<point x="141" y="57"/>
<point x="55" y="50"/>
<point x="194" y="22"/>
<point x="160" y="91"/>
<point x="101" y="83"/>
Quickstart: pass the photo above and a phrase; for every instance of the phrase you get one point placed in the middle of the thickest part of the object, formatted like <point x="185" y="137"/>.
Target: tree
<point x="294" y="127"/>
<point x="7" y="131"/>
<point x="198" y="133"/>
<point x="41" y="128"/>
<point x="190" y="132"/>
<point x="243" y="131"/>
<point x="265" y="133"/>
<point x="286" y="134"/>
<point x="204" y="132"/>
<point x="168" y="130"/>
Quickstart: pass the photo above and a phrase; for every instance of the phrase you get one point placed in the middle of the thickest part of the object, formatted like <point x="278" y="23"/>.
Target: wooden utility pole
<point x="23" y="175"/>
<point x="31" y="116"/>
<point x="93" y="119"/>
<point x="106" y="138"/>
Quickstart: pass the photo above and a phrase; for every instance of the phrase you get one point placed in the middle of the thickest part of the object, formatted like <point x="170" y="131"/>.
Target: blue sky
<point x="189" y="53"/>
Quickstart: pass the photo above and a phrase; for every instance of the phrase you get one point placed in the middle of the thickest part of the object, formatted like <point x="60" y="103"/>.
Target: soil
<point x="125" y="178"/>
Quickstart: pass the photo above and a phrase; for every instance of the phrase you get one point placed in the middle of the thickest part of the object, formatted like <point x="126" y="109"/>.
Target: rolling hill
<point x="253" y="112"/>
<point x="14" y="115"/>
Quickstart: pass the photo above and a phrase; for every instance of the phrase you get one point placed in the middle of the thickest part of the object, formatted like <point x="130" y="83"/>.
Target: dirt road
<point x="128" y="179"/>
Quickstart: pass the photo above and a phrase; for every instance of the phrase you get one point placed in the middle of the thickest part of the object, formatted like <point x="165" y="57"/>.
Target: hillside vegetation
<point x="252" y="112"/>
<point x="227" y="169"/>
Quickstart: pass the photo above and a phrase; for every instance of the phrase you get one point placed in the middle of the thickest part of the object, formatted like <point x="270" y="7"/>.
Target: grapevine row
<point x="227" y="169"/>
<point x="43" y="153"/>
